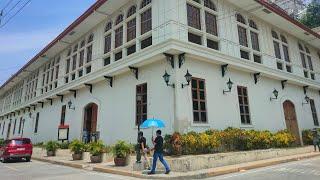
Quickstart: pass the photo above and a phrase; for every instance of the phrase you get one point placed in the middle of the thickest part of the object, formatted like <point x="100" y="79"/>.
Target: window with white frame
<point x="306" y="62"/>
<point x="249" y="47"/>
<point x="281" y="51"/>
<point x="116" y="45"/>
<point x="31" y="86"/>
<point x="78" y="60"/>
<point x="206" y="33"/>
<point x="50" y="75"/>
<point x="17" y="94"/>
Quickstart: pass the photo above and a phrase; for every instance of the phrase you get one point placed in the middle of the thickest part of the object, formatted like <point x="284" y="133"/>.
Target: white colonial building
<point x="105" y="72"/>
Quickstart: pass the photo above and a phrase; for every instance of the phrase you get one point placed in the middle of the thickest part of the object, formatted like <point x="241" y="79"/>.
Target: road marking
<point x="11" y="168"/>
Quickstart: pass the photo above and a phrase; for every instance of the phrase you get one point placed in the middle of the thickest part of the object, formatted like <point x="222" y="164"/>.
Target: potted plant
<point x="51" y="147"/>
<point x="77" y="147"/>
<point x="121" y="151"/>
<point x="96" y="150"/>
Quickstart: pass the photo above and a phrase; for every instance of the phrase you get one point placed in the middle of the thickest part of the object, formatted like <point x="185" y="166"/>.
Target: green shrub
<point x="64" y="145"/>
<point x="51" y="146"/>
<point x="121" y="149"/>
<point x="307" y="136"/>
<point x="96" y="148"/>
<point x="1" y="142"/>
<point x="283" y="139"/>
<point x="77" y="146"/>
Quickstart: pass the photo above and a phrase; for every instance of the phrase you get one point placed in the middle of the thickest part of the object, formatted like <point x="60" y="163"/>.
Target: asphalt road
<point x="308" y="169"/>
<point x="37" y="170"/>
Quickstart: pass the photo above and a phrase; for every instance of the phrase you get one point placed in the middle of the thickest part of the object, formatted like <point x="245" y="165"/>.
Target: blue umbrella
<point x="152" y="123"/>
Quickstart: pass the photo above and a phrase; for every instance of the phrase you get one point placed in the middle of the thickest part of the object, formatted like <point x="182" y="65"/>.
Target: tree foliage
<point x="312" y="16"/>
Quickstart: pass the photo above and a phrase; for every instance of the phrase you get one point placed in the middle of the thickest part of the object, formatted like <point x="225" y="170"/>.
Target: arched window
<point x="240" y="18"/>
<point x="252" y="24"/>
<point x="108" y="26"/>
<point x="284" y="39"/>
<point x="144" y="3"/>
<point x="119" y="19"/>
<point x="131" y="11"/>
<point x="209" y="4"/>
<point x="146" y="21"/>
<point x="274" y="35"/>
<point x="90" y="38"/>
<point x="306" y="62"/>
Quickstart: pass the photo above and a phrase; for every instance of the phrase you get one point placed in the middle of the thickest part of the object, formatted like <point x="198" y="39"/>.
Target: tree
<point x="312" y="16"/>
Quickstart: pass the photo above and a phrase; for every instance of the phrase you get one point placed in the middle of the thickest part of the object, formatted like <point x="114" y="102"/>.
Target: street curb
<point x="73" y="165"/>
<point x="210" y="173"/>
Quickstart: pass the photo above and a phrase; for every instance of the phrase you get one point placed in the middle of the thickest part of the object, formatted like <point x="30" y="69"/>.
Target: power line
<point x="6" y="5"/>
<point x="11" y="17"/>
<point x="14" y="6"/>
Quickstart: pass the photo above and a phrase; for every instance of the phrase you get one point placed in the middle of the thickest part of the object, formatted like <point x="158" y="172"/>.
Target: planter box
<point x="198" y="162"/>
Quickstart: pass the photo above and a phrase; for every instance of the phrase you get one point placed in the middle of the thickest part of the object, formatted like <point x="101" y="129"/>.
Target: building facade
<point x="250" y="66"/>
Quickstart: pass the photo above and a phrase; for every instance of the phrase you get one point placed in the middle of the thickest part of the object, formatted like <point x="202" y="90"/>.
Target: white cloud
<point x="17" y="42"/>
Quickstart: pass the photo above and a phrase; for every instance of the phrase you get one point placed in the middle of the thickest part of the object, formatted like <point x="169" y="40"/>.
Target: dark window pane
<point x="244" y="54"/>
<point x="196" y="117"/>
<point x="212" y="44"/>
<point x="286" y="53"/>
<point x="131" y="30"/>
<point x="211" y="24"/>
<point x="80" y="73"/>
<point x="257" y="58"/>
<point x="203" y="117"/>
<point x="194" y="38"/>
<point x="242" y="32"/>
<point x="280" y="65"/>
<point x="118" y="56"/>
<point x="146" y="21"/>
<point x="146" y="42"/>
<point x="131" y="50"/>
<point x="118" y="36"/>
<point x="193" y="14"/>
<point x="289" y="68"/>
<point x="107" y="61"/>
<point x="88" y="70"/>
<point x="277" y="49"/>
<point x="255" y="41"/>
<point x="107" y="43"/>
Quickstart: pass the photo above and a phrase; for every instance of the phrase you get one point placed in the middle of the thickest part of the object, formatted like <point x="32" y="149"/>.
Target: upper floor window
<point x="146" y="21"/>
<point x="144" y="3"/>
<point x="131" y="11"/>
<point x="108" y="27"/>
<point x="281" y="51"/>
<point x="209" y="4"/>
<point x="119" y="19"/>
<point x="249" y="47"/>
<point x="209" y="35"/>
<point x="306" y="61"/>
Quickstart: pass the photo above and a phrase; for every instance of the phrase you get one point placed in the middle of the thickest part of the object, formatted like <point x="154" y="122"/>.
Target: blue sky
<point x="33" y="28"/>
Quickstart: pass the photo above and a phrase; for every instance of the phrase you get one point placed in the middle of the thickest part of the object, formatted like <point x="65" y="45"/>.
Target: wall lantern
<point x="70" y="105"/>
<point x="275" y="94"/>
<point x="166" y="78"/>
<point x="229" y="84"/>
<point x="307" y="100"/>
<point x="188" y="77"/>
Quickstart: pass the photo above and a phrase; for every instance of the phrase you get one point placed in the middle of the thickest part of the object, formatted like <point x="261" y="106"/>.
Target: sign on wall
<point x="63" y="133"/>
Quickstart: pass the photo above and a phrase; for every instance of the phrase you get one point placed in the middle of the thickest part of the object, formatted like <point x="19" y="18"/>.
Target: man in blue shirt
<point x="158" y="153"/>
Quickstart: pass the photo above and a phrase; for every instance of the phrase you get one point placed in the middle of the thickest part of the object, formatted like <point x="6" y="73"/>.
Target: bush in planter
<point x="51" y="147"/>
<point x="96" y="150"/>
<point x="283" y="139"/>
<point x="64" y="145"/>
<point x="121" y="151"/>
<point x="77" y="147"/>
<point x="307" y="136"/>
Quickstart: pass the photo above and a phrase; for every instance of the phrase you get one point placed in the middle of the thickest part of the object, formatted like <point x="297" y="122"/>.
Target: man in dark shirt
<point x="158" y="153"/>
<point x="142" y="143"/>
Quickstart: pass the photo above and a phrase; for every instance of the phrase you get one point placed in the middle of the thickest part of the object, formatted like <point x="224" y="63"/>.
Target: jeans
<point x="155" y="159"/>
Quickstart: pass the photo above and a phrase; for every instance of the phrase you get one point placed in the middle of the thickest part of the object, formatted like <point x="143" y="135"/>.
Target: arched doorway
<point x="90" y="119"/>
<point x="291" y="119"/>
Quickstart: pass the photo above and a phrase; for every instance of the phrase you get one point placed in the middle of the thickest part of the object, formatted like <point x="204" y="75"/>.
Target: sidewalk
<point x="109" y="167"/>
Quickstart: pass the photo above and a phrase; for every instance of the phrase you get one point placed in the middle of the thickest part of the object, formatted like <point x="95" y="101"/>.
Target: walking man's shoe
<point x="150" y="173"/>
<point x="167" y="172"/>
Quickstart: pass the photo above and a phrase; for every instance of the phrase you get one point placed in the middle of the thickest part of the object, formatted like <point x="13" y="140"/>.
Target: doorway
<point x="90" y="119"/>
<point x="291" y="120"/>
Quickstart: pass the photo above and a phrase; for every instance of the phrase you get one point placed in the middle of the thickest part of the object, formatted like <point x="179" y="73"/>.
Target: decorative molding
<point x="90" y="87"/>
<point x="283" y="83"/>
<point x="135" y="71"/>
<point x="110" y="80"/>
<point x="182" y="59"/>
<point x="74" y="93"/>
<point x="224" y="68"/>
<point x="256" y="77"/>
<point x="170" y="59"/>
